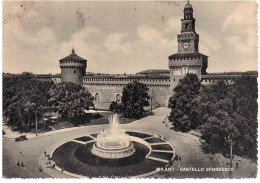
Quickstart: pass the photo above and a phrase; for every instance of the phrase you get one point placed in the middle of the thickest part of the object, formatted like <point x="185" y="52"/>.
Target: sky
<point x="125" y="37"/>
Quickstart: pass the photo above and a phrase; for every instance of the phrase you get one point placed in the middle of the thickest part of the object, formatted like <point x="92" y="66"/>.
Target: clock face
<point x="187" y="25"/>
<point x="186" y="45"/>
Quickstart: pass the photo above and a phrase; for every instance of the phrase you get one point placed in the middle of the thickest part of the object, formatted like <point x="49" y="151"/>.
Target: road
<point x="187" y="146"/>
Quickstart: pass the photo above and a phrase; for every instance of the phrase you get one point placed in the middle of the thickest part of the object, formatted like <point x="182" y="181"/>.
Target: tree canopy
<point x="134" y="98"/>
<point x="115" y="107"/>
<point x="183" y="104"/>
<point x="224" y="113"/>
<point x="70" y="100"/>
<point x="229" y="112"/>
<point x="23" y="99"/>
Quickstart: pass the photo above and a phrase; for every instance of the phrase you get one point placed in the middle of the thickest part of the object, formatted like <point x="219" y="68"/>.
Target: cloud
<point x="148" y="33"/>
<point x="240" y="28"/>
<point x="173" y="25"/>
<point x="149" y="47"/>
<point x="116" y="42"/>
<point x="209" y="44"/>
<point x="30" y="52"/>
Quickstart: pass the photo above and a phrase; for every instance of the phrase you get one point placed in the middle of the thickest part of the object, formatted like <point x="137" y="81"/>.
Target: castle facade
<point x="108" y="88"/>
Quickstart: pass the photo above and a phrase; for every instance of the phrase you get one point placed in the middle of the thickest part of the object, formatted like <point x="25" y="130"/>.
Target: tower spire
<point x="73" y="51"/>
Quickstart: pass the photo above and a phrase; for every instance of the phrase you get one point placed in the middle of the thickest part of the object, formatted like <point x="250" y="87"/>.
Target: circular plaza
<point x="75" y="158"/>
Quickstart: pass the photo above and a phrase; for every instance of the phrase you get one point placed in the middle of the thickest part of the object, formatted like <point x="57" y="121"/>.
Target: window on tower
<point x="184" y="70"/>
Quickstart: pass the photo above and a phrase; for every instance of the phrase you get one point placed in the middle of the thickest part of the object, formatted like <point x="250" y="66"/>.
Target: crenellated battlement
<point x="111" y="80"/>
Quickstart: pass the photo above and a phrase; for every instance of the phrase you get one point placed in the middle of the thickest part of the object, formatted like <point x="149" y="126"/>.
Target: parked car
<point x="21" y="138"/>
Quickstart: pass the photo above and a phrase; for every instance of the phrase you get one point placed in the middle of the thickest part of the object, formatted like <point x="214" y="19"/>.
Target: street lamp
<point x="151" y="100"/>
<point x="231" y="153"/>
<point x="151" y="106"/>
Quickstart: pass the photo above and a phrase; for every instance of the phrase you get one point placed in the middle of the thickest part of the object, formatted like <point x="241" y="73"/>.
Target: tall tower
<point x="73" y="68"/>
<point x="188" y="59"/>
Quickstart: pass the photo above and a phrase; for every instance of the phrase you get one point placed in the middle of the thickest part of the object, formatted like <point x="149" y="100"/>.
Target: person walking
<point x="236" y="165"/>
<point x="179" y="158"/>
<point x="53" y="165"/>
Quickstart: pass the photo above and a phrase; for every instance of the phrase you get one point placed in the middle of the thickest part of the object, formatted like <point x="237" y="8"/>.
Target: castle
<point x="108" y="88"/>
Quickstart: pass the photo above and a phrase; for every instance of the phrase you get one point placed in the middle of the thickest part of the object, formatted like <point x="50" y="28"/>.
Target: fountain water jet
<point x="113" y="143"/>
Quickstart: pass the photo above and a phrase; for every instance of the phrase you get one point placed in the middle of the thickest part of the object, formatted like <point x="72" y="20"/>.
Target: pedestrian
<point x="18" y="163"/>
<point x="45" y="152"/>
<point x="179" y="158"/>
<point x="23" y="165"/>
<point x="40" y="169"/>
<point x="236" y="165"/>
<point x="53" y="166"/>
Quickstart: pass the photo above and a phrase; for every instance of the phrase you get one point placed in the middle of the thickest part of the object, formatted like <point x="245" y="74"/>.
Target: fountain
<point x="113" y="143"/>
<point x="112" y="153"/>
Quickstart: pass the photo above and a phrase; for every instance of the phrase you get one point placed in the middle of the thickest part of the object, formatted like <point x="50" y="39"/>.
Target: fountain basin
<point x="113" y="143"/>
<point x="113" y="153"/>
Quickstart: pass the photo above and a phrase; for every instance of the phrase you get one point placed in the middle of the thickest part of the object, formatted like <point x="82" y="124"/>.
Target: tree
<point x="183" y="104"/>
<point x="229" y="117"/>
<point x="22" y="97"/>
<point x="115" y="107"/>
<point x="245" y="94"/>
<point x="134" y="98"/>
<point x="70" y="100"/>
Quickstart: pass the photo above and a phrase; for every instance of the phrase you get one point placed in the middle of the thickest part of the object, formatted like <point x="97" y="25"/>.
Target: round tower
<point x="73" y="68"/>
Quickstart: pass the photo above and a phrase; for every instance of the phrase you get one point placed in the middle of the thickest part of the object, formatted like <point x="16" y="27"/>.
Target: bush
<point x="115" y="107"/>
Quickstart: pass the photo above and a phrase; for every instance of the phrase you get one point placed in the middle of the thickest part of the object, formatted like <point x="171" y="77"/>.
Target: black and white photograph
<point x="129" y="89"/>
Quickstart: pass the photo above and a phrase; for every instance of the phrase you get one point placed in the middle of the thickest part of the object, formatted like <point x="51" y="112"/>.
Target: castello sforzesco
<point x="108" y="87"/>
<point x="130" y="89"/>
